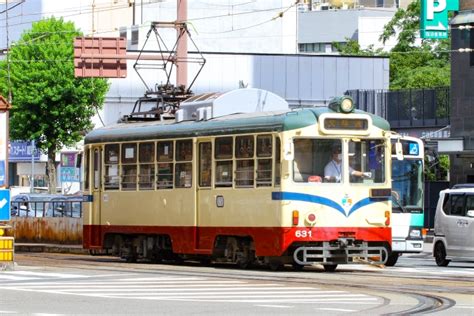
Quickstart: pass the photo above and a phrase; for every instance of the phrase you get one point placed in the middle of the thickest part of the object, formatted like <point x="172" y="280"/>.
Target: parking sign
<point x="5" y="205"/>
<point x="434" y="17"/>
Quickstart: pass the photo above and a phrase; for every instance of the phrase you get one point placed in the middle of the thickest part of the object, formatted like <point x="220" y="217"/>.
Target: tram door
<point x="94" y="218"/>
<point x="204" y="194"/>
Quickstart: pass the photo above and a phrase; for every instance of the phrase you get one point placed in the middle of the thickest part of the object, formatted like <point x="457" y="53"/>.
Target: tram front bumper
<point x="342" y="251"/>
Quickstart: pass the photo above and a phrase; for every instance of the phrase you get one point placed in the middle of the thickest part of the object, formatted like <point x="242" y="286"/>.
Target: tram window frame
<point x="184" y="164"/>
<point x="223" y="161"/>
<point x="277" y="160"/>
<point x="111" y="167"/>
<point x="165" y="164"/>
<point x="245" y="161"/>
<point x="86" y="168"/>
<point x="129" y="168"/>
<point x="146" y="172"/>
<point x="205" y="164"/>
<point x="264" y="171"/>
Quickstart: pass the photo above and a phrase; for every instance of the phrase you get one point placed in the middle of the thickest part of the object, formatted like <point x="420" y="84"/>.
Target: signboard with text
<point x="434" y="17"/>
<point x="21" y="151"/>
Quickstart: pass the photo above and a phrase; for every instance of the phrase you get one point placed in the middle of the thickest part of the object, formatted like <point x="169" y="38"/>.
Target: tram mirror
<point x="399" y="151"/>
<point x="289" y="150"/>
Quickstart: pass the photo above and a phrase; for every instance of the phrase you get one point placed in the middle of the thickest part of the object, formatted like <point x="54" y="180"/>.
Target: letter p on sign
<point x="431" y="8"/>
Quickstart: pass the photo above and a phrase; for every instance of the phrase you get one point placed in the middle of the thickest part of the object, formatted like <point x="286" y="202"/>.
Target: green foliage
<point x="50" y="105"/>
<point x="413" y="65"/>
<point x="438" y="169"/>
<point x="352" y="47"/>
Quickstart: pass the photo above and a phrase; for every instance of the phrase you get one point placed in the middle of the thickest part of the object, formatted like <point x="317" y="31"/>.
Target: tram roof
<point x="275" y="121"/>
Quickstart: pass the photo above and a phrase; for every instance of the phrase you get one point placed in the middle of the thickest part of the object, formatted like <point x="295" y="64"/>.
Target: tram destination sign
<point x="434" y="17"/>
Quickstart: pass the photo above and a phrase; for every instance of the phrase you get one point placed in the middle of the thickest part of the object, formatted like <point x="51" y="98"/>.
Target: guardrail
<point x="63" y="208"/>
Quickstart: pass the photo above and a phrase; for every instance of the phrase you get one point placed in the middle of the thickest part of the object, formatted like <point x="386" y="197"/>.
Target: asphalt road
<point x="67" y="284"/>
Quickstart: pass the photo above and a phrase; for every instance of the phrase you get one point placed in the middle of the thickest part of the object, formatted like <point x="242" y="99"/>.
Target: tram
<point x="240" y="177"/>
<point x="407" y="197"/>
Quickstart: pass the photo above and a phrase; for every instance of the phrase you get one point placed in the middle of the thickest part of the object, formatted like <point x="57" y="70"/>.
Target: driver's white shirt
<point x="333" y="169"/>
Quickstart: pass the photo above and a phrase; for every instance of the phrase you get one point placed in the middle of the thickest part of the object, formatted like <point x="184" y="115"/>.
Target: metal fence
<point x="64" y="208"/>
<point x="406" y="108"/>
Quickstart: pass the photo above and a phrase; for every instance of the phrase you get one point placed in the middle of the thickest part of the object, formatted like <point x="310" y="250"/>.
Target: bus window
<point x="223" y="157"/>
<point x="146" y="177"/>
<point x="183" y="167"/>
<point x="129" y="166"/>
<point x="164" y="155"/>
<point x="277" y="161"/>
<point x="205" y="164"/>
<point x="111" y="181"/>
<point x="244" y="152"/>
<point x="264" y="166"/>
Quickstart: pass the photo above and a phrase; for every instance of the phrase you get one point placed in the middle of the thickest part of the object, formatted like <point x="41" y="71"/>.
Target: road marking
<point x="8" y="312"/>
<point x="45" y="274"/>
<point x="275" y="306"/>
<point x="336" y="309"/>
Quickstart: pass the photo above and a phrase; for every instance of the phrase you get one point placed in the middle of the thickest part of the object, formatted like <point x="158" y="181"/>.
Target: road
<point x="64" y="284"/>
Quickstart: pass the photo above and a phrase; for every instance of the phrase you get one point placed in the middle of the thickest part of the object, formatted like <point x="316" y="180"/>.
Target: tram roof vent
<point x="211" y="105"/>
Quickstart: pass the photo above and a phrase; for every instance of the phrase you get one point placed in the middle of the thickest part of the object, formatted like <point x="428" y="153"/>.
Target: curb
<point x="52" y="248"/>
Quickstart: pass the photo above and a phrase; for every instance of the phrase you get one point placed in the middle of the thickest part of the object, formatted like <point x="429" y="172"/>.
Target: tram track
<point x="421" y="289"/>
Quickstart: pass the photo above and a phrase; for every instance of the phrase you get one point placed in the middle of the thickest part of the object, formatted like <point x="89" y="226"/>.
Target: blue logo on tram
<point x="413" y="149"/>
<point x="293" y="196"/>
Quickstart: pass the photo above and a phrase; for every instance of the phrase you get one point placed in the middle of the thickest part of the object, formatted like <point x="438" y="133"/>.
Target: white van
<point x="454" y="225"/>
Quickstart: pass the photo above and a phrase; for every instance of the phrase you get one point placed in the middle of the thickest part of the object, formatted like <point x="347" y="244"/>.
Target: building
<point x="460" y="146"/>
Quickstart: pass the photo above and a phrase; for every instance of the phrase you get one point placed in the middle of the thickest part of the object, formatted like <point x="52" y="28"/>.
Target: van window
<point x="454" y="205"/>
<point x="469" y="204"/>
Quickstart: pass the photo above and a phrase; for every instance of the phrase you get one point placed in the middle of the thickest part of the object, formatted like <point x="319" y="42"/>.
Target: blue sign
<point x="434" y="17"/>
<point x="5" y="205"/>
<point x="413" y="149"/>
<point x="70" y="174"/>
<point x="21" y="151"/>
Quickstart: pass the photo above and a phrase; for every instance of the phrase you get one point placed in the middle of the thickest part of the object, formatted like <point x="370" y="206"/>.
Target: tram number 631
<point x="303" y="233"/>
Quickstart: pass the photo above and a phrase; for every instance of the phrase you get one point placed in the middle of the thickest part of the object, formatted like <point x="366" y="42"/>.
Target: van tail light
<point x="296" y="218"/>
<point x="387" y="218"/>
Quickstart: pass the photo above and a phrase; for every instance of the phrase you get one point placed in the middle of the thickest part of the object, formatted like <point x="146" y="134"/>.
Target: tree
<point x="415" y="64"/>
<point x="49" y="105"/>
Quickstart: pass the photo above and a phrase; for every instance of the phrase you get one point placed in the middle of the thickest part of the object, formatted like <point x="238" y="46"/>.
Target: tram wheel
<point x="392" y="259"/>
<point x="440" y="255"/>
<point x="297" y="266"/>
<point x="275" y="265"/>
<point x="330" y="267"/>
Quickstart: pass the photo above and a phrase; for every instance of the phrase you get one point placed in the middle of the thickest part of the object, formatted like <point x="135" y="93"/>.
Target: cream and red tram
<point x="244" y="187"/>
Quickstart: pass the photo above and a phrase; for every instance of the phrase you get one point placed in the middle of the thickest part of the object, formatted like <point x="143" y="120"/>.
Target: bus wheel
<point x="392" y="259"/>
<point x="440" y="255"/>
<point x="330" y="267"/>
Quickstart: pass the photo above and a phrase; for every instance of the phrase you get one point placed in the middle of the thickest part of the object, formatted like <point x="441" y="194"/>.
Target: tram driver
<point x="333" y="169"/>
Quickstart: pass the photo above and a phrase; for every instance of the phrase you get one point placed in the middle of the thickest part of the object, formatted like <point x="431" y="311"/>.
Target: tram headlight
<point x="343" y="104"/>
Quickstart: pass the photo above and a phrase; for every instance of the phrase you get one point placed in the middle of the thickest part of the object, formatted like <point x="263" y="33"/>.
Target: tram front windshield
<point x="407" y="182"/>
<point x="324" y="160"/>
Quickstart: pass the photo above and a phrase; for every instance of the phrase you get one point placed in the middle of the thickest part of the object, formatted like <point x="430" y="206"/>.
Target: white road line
<point x="280" y="300"/>
<point x="463" y="306"/>
<point x="164" y="279"/>
<point x="17" y="278"/>
<point x="44" y="274"/>
<point x="157" y="288"/>
<point x="8" y="312"/>
<point x="215" y="293"/>
<point x="275" y="306"/>
<point x="171" y="283"/>
<point x="244" y="295"/>
<point x="336" y="309"/>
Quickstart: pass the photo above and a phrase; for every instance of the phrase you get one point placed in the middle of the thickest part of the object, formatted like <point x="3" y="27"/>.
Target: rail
<point x="63" y="208"/>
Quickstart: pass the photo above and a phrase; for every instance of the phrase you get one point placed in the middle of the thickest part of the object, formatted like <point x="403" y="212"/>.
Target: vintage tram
<point x="240" y="177"/>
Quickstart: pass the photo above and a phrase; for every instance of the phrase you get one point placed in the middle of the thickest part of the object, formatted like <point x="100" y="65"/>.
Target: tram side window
<point x="111" y="160"/>
<point x="264" y="161"/>
<point x="184" y="165"/>
<point x="277" y="161"/>
<point x="146" y="157"/>
<point x="244" y="154"/>
<point x="129" y="166"/>
<point x="86" y="169"/>
<point x="223" y="157"/>
<point x="205" y="164"/>
<point x="164" y="154"/>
